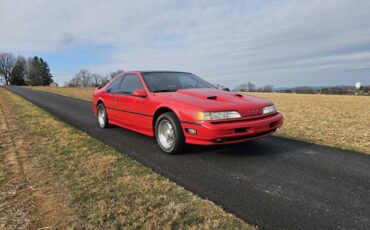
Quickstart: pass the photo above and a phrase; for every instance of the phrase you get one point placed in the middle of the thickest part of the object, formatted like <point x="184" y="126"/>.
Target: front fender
<point x="182" y="112"/>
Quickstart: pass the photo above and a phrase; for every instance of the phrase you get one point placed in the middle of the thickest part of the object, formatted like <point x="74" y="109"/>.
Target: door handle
<point x="115" y="99"/>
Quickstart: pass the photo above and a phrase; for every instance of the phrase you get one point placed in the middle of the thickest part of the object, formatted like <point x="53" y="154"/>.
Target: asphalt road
<point x="273" y="183"/>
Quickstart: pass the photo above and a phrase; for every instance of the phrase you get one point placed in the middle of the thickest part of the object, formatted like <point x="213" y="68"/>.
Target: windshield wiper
<point x="164" y="90"/>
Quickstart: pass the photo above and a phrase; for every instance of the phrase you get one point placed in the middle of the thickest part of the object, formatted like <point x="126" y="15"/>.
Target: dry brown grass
<point x="102" y="188"/>
<point x="29" y="198"/>
<point x="79" y="93"/>
<point x="334" y="120"/>
<point x="338" y="121"/>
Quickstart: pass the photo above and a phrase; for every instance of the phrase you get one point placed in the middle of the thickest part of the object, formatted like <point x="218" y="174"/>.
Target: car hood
<point x="207" y="99"/>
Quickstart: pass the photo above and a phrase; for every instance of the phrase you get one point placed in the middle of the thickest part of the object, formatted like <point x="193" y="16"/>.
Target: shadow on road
<point x="246" y="149"/>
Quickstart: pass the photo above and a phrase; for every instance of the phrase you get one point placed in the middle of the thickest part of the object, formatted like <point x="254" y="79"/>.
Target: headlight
<point x="208" y="116"/>
<point x="269" y="109"/>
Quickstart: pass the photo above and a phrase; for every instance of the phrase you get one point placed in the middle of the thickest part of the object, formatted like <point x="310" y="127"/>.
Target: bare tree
<point x="219" y="86"/>
<point x="105" y="80"/>
<point x="96" y="79"/>
<point x="266" y="88"/>
<point x="72" y="83"/>
<point x="114" y="74"/>
<point x="7" y="63"/>
<point x="251" y="87"/>
<point x="84" y="78"/>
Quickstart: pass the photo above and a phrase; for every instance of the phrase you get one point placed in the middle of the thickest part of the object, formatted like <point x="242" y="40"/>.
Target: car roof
<point x="156" y="71"/>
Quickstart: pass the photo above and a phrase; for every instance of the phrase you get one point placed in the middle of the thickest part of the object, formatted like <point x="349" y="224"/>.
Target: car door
<point x="133" y="109"/>
<point x="111" y="99"/>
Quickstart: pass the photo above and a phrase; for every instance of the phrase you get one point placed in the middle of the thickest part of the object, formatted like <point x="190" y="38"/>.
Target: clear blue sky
<point x="284" y="43"/>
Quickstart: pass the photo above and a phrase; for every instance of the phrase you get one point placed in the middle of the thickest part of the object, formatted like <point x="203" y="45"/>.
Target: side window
<point x="114" y="86"/>
<point x="129" y="83"/>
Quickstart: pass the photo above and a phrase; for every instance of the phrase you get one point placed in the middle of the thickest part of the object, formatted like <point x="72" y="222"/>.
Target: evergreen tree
<point x="46" y="76"/>
<point x="38" y="72"/>
<point x="35" y="77"/>
<point x="18" y="73"/>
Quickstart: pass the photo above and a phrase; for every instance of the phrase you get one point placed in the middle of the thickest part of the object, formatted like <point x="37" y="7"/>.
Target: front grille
<point x="243" y="137"/>
<point x="241" y="130"/>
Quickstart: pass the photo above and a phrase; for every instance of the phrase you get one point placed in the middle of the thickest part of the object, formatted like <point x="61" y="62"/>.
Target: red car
<point x="180" y="108"/>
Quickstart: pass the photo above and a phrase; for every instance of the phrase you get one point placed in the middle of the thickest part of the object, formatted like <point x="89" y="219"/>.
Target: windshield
<point x="173" y="81"/>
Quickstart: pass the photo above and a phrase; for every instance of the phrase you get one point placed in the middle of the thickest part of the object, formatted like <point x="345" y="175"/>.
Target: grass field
<point x="80" y="93"/>
<point x="334" y="120"/>
<point x="57" y="177"/>
<point x="338" y="121"/>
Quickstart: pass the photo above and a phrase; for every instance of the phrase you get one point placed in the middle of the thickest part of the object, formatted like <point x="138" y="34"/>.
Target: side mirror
<point x="139" y="93"/>
<point x="226" y="89"/>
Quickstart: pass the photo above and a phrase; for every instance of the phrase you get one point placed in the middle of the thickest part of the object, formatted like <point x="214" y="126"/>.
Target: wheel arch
<point x="161" y="110"/>
<point x="95" y="106"/>
<point x="100" y="101"/>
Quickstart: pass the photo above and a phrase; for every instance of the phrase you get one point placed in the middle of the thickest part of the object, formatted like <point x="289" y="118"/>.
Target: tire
<point x="170" y="142"/>
<point x="102" y="116"/>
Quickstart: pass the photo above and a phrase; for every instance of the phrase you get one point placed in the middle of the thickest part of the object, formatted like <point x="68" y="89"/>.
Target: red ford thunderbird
<point x="179" y="108"/>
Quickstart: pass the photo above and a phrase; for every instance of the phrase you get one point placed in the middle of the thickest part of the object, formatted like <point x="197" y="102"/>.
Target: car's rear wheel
<point x="169" y="133"/>
<point x="102" y="116"/>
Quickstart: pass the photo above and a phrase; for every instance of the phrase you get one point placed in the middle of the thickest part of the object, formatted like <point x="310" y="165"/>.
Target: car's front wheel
<point x="102" y="116"/>
<point x="169" y="133"/>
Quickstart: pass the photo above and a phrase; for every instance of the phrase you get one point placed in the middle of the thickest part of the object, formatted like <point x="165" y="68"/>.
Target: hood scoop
<point x="212" y="97"/>
<point x="206" y="94"/>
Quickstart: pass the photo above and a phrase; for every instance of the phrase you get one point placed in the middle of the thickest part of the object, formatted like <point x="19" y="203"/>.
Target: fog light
<point x="191" y="131"/>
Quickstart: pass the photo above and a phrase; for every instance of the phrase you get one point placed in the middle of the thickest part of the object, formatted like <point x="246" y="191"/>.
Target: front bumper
<point x="228" y="132"/>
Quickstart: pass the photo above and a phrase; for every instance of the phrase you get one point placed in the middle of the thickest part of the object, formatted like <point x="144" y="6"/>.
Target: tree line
<point x="86" y="78"/>
<point x="336" y="90"/>
<point x="250" y="87"/>
<point x="18" y="70"/>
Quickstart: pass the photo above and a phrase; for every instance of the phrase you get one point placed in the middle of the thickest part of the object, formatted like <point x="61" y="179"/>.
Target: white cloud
<point x="278" y="42"/>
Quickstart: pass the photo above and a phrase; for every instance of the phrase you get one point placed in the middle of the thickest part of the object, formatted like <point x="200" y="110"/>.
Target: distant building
<point x="53" y="84"/>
